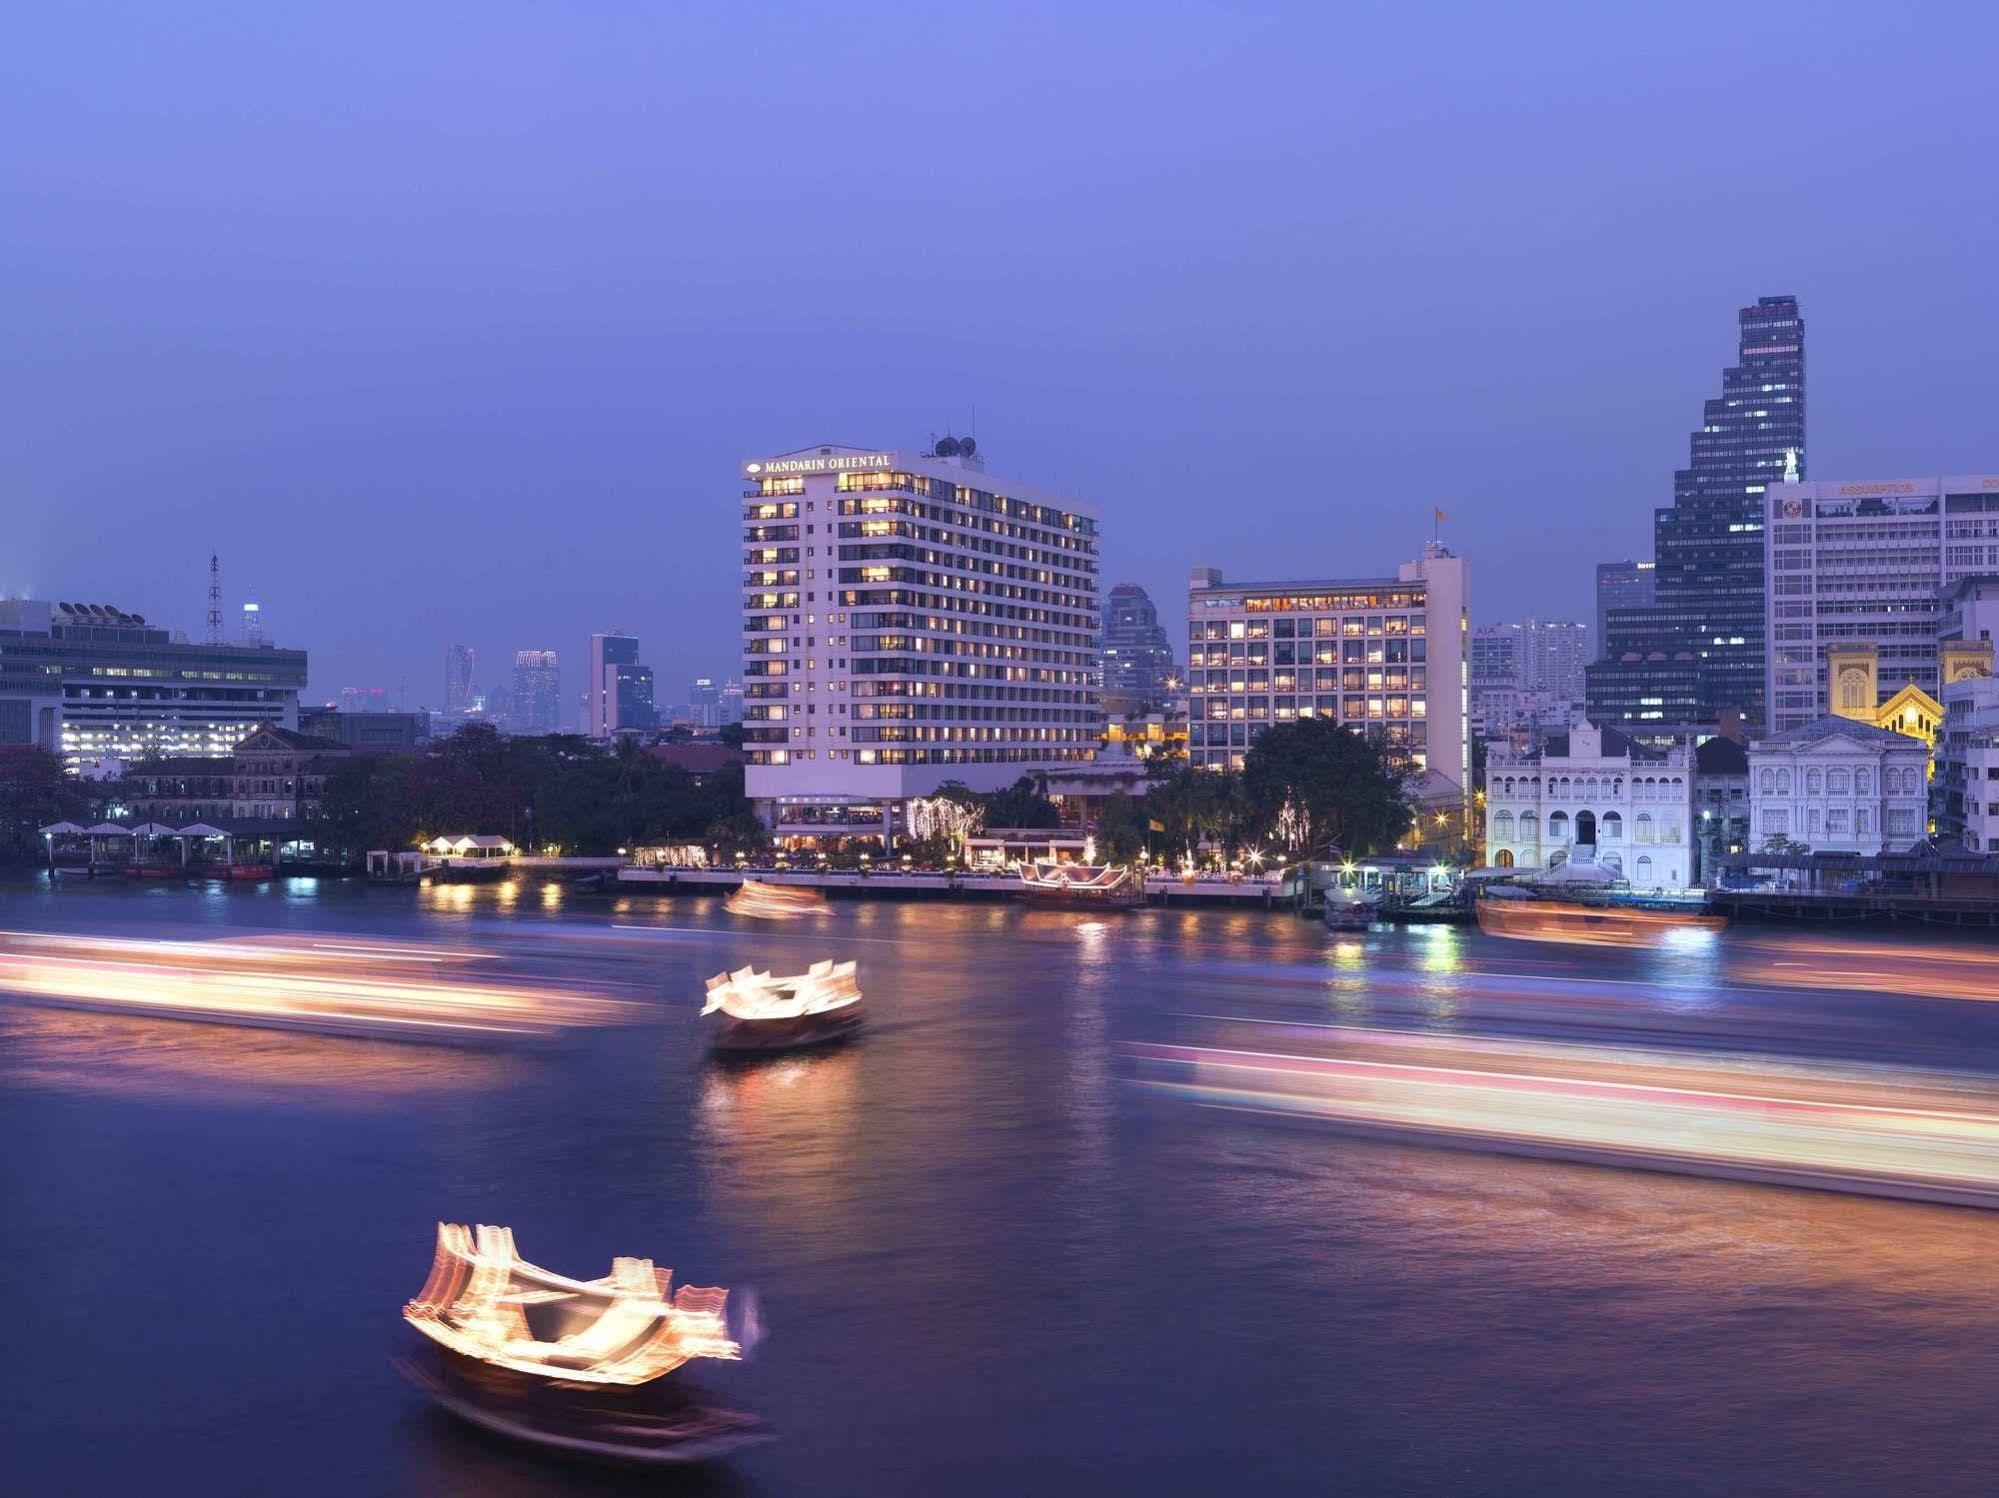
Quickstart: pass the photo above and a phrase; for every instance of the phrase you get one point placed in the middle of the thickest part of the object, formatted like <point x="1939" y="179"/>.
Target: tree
<point x="740" y="833"/>
<point x="735" y="735"/>
<point x="1022" y="804"/>
<point x="1313" y="781"/>
<point x="1121" y="828"/>
<point x="34" y="792"/>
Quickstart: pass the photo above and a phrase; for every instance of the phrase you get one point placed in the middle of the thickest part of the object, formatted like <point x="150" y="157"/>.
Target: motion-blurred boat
<point x="774" y="902"/>
<point x="1080" y="884"/>
<point x="594" y="1388"/>
<point x="760" y="1013"/>
<point x="1590" y="925"/>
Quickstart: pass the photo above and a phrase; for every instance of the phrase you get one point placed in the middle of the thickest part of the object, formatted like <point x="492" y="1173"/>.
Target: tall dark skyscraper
<point x="1700" y="648"/>
<point x="537" y="705"/>
<point x="1621" y="585"/>
<point x="1138" y="653"/>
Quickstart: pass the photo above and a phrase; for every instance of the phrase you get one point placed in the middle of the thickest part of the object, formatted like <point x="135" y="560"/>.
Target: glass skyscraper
<point x="1699" y="649"/>
<point x="1138" y="653"/>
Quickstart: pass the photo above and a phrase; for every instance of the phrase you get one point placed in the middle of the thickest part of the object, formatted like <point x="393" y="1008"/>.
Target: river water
<point x="985" y="1263"/>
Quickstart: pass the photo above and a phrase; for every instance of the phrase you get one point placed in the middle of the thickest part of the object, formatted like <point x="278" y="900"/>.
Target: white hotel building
<point x="1866" y="564"/>
<point x="1387" y="656"/>
<point x="908" y="621"/>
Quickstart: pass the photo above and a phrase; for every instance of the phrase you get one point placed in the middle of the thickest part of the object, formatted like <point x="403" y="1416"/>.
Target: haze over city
<point x="455" y="324"/>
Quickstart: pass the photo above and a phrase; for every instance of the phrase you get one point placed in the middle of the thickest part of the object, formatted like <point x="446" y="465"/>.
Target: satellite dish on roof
<point x="947" y="448"/>
<point x="968" y="445"/>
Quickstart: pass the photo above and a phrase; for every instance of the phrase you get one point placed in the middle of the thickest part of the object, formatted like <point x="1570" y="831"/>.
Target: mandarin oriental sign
<point x="828" y="463"/>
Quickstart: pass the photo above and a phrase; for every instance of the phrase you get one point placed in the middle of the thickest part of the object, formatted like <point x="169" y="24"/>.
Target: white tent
<point x="155" y="829"/>
<point x="201" y="829"/>
<point x="62" y="829"/>
<point x="108" y="829"/>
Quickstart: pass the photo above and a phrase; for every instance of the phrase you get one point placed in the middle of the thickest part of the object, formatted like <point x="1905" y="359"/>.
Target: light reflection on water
<point x="987" y="1267"/>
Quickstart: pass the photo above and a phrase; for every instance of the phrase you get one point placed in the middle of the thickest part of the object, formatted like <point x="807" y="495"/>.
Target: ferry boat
<point x="1591" y="925"/>
<point x="1081" y="884"/>
<point x="757" y="1012"/>
<point x="595" y="1387"/>
<point x="1350" y="910"/>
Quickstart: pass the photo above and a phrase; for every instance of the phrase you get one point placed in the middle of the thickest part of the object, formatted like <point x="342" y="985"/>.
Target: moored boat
<point x="1081" y="884"/>
<point x="756" y="1012"/>
<point x="1350" y="910"/>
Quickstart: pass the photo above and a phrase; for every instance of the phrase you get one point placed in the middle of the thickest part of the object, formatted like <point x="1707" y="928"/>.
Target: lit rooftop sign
<point x="824" y="463"/>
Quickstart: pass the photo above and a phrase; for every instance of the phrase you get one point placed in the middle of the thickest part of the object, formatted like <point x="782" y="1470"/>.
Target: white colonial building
<point x="1839" y="786"/>
<point x="1594" y="796"/>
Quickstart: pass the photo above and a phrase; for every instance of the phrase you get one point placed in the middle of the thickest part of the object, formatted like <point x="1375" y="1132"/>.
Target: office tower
<point x="537" y="704"/>
<point x="170" y="698"/>
<point x="621" y="696"/>
<point x="1700" y="648"/>
<point x="732" y="702"/>
<point x="363" y="700"/>
<point x="1556" y="655"/>
<point x="1873" y="565"/>
<point x="1621" y="585"/>
<point x="460" y="679"/>
<point x="1385" y="655"/>
<point x="909" y="621"/>
<point x="1137" y="652"/>
<point x="704" y="703"/>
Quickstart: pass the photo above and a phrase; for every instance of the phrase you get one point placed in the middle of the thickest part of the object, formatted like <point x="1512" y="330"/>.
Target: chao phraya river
<point x="986" y="1261"/>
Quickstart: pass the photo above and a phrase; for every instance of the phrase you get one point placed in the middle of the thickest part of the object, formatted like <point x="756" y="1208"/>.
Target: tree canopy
<point x="1314" y="781"/>
<point x="34" y="792"/>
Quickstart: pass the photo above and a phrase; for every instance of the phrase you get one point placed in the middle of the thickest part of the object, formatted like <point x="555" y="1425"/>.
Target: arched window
<point x="1838" y="782"/>
<point x="1503" y="859"/>
<point x="1642" y="830"/>
<point x="1530" y="828"/>
<point x="1502" y="827"/>
<point x="1558" y="827"/>
<point x="1614" y="861"/>
<point x="1814" y="783"/>
<point x="1613" y="827"/>
<point x="1783" y="782"/>
<point x="1863" y="783"/>
<point x="1586" y="827"/>
<point x="1644" y="870"/>
<point x="1589" y="788"/>
<point x="1767" y="781"/>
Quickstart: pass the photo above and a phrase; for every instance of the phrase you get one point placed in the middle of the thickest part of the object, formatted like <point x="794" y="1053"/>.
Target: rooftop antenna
<point x="214" y="599"/>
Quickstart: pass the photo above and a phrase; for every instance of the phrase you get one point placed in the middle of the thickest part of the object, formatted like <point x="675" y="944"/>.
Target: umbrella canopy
<point x="61" y="829"/>
<point x="202" y="829"/>
<point x="108" y="829"/>
<point x="1578" y="873"/>
<point x="155" y="829"/>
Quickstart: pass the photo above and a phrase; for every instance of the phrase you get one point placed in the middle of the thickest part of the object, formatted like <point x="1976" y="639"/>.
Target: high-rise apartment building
<point x="461" y="673"/>
<point x="1869" y="564"/>
<point x="620" y="693"/>
<point x="1556" y="654"/>
<point x="1137" y="651"/>
<point x="1622" y="585"/>
<point x="732" y="702"/>
<point x="537" y="704"/>
<point x="90" y="682"/>
<point x="910" y="620"/>
<point x="1384" y="655"/>
<point x="1700" y="648"/>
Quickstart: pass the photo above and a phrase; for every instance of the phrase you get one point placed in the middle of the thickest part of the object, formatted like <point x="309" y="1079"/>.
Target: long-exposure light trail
<point x="312" y="985"/>
<point x="1873" y="1130"/>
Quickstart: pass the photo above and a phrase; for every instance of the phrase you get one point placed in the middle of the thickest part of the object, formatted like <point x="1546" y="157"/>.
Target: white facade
<point x="908" y="621"/>
<point x="1967" y="780"/>
<point x="1593" y="796"/>
<point x="1382" y="655"/>
<point x="1835" y="785"/>
<point x="1866" y="563"/>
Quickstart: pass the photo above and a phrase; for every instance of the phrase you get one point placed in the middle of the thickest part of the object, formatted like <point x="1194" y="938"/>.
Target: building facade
<point x="1869" y="565"/>
<point x="620" y="693"/>
<point x="537" y="704"/>
<point x="1138" y="652"/>
<point x="1385" y="655"/>
<point x="1556" y="655"/>
<point x="1721" y="804"/>
<point x="1593" y="796"/>
<point x="90" y="683"/>
<point x="272" y="775"/>
<point x="909" y="620"/>
<point x="1700" y="647"/>
<point x="1965" y="796"/>
<point x="1622" y="585"/>
<point x="1834" y="785"/>
<point x="370" y="732"/>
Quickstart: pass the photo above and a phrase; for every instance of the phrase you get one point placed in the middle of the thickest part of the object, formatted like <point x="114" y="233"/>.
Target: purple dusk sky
<point x="454" y="321"/>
